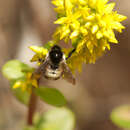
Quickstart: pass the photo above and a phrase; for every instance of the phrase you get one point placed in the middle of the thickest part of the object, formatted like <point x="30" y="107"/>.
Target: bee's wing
<point x="67" y="74"/>
<point x="42" y="68"/>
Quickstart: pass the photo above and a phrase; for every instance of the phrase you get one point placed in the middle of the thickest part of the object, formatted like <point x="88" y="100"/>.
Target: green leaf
<point x="13" y="69"/>
<point x="121" y="116"/>
<point x="28" y="69"/>
<point x="51" y="96"/>
<point x="22" y="96"/>
<point x="56" y="119"/>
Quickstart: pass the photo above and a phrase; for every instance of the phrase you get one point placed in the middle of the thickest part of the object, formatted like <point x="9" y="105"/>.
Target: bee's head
<point x="55" y="54"/>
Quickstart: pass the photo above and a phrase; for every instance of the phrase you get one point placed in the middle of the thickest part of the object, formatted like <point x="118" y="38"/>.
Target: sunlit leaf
<point x="51" y="96"/>
<point x="56" y="119"/>
<point x="13" y="69"/>
<point x="121" y="116"/>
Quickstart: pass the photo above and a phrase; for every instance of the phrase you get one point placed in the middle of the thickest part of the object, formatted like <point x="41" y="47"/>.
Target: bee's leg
<point x="39" y="71"/>
<point x="70" y="54"/>
<point x="40" y="60"/>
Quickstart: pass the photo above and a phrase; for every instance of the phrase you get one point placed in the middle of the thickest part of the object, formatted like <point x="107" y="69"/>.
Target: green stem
<point x="32" y="108"/>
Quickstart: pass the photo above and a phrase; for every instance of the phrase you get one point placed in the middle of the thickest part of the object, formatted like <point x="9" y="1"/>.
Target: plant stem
<point x="33" y="100"/>
<point x="32" y="108"/>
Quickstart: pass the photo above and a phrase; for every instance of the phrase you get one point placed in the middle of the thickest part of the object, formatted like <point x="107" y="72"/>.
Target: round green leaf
<point x="121" y="116"/>
<point x="56" y="119"/>
<point x="22" y="96"/>
<point x="51" y="96"/>
<point x="13" y="69"/>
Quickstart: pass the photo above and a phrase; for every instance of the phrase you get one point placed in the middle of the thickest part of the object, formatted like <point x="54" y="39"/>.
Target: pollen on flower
<point x="90" y="25"/>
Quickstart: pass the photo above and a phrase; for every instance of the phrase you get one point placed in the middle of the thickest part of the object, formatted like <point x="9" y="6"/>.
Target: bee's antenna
<point x="70" y="53"/>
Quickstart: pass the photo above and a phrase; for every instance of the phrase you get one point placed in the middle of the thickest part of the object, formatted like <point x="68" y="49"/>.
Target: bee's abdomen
<point x="53" y="73"/>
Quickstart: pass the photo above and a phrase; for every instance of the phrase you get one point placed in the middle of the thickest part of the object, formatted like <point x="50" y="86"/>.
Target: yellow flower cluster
<point x="27" y="83"/>
<point x="89" y="25"/>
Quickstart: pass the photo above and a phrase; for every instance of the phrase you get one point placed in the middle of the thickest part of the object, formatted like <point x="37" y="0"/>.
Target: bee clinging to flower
<point x="54" y="66"/>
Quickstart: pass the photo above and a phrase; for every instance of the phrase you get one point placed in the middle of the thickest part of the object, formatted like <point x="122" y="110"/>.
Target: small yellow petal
<point x="75" y="25"/>
<point x="17" y="84"/>
<point x="34" y="83"/>
<point x="61" y="20"/>
<point x="57" y="2"/>
<point x="74" y="34"/>
<point x="95" y="29"/>
<point x="37" y="49"/>
<point x="35" y="58"/>
<point x="112" y="37"/>
<point x="60" y="10"/>
<point x="65" y="32"/>
<point x="83" y="31"/>
<point x="118" y="26"/>
<point x="88" y="24"/>
<point x="68" y="6"/>
<point x="119" y="17"/>
<point x="80" y="45"/>
<point x="90" y="46"/>
<point x="109" y="7"/>
<point x="90" y="17"/>
<point x="82" y="2"/>
<point x="99" y="35"/>
<point x="108" y="46"/>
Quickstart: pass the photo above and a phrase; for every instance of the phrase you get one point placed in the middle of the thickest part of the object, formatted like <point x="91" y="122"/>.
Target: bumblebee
<point x="54" y="66"/>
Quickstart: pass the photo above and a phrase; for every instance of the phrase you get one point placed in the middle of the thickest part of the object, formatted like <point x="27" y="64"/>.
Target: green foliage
<point x="55" y="119"/>
<point x="121" y="116"/>
<point x="22" y="96"/>
<point x="51" y="96"/>
<point x="14" y="69"/>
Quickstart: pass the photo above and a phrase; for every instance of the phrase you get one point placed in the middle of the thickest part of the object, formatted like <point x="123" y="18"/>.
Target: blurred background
<point x="100" y="87"/>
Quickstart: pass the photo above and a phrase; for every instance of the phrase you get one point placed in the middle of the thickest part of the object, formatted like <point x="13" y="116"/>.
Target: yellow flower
<point x="41" y="51"/>
<point x="27" y="83"/>
<point x="40" y="54"/>
<point x="90" y="25"/>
